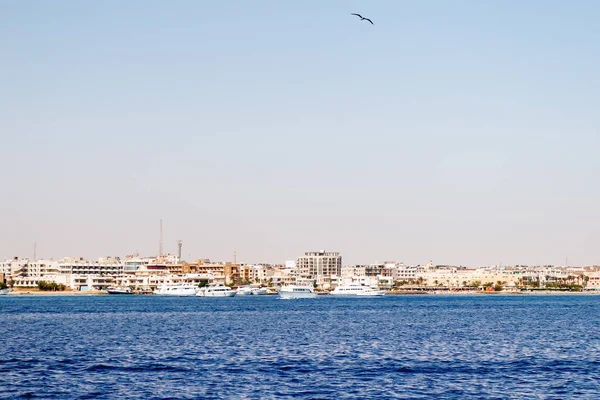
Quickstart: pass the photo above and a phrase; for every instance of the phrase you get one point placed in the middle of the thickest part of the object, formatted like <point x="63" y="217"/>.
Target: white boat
<point x="259" y="291"/>
<point x="355" y="290"/>
<point x="251" y="290"/>
<point x="119" y="290"/>
<point x="215" y="290"/>
<point x="4" y="291"/>
<point x="297" y="292"/>
<point x="244" y="291"/>
<point x="182" y="289"/>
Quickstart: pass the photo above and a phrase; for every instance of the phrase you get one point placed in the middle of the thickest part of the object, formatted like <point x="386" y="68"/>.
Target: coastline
<point x="482" y="293"/>
<point x="389" y="293"/>
<point x="63" y="293"/>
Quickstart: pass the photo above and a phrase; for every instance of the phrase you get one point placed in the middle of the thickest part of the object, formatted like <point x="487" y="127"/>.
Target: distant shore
<point x="483" y="293"/>
<point x="33" y="292"/>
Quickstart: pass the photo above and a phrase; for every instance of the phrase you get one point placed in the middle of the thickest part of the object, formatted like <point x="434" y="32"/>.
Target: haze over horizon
<point x="465" y="133"/>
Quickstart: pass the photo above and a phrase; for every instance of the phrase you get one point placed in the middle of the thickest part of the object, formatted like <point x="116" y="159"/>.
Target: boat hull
<point x="297" y="295"/>
<point x="179" y="293"/>
<point x="118" y="292"/>
<point x="216" y="294"/>
<point x="375" y="294"/>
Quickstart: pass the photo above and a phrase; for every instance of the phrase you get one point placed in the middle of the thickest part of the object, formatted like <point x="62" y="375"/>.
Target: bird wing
<point x="367" y="19"/>
<point x="358" y="15"/>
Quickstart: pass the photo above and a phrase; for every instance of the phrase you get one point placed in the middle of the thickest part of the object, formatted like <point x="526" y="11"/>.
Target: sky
<point x="462" y="132"/>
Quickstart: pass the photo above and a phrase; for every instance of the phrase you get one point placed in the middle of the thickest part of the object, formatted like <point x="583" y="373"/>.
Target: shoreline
<point x="399" y="293"/>
<point x="49" y="293"/>
<point x="478" y="293"/>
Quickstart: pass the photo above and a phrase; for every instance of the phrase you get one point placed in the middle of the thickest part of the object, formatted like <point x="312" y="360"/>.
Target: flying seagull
<point x="363" y="18"/>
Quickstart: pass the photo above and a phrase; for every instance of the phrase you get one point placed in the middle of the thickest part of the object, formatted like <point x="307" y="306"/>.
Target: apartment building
<point x="319" y="263"/>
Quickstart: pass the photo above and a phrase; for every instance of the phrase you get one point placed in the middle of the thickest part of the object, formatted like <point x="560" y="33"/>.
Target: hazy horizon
<point x="460" y="132"/>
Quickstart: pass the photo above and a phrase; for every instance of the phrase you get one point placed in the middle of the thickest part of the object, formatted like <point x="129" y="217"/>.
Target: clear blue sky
<point x="465" y="132"/>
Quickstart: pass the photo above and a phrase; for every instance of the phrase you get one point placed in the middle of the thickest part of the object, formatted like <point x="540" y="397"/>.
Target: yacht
<point x="356" y="289"/>
<point x="4" y="291"/>
<point x="215" y="290"/>
<point x="244" y="291"/>
<point x="181" y="289"/>
<point x="250" y="290"/>
<point x="119" y="290"/>
<point x="297" y="292"/>
<point x="259" y="291"/>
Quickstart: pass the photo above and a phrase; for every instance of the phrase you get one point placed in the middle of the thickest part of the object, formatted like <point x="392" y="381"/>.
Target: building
<point x="319" y="263"/>
<point x="348" y="272"/>
<point x="405" y="273"/>
<point x="593" y="282"/>
<point x="105" y="266"/>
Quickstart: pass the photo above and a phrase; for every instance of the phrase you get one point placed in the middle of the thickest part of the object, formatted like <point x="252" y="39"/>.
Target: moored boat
<point x="244" y="291"/>
<point x="250" y="290"/>
<point x="215" y="290"/>
<point x="356" y="290"/>
<point x="4" y="291"/>
<point x="297" y="292"/>
<point x="182" y="289"/>
<point x="119" y="290"/>
<point x="259" y="291"/>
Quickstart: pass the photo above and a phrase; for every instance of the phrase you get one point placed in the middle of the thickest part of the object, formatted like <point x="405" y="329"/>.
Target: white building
<point x="319" y="263"/>
<point x="593" y="280"/>
<point x="106" y="266"/>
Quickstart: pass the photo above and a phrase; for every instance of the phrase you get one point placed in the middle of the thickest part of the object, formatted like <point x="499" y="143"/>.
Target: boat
<point x="119" y="290"/>
<point x="4" y="291"/>
<point x="215" y="290"/>
<point x="181" y="289"/>
<point x="251" y="290"/>
<point x="244" y="291"/>
<point x="356" y="290"/>
<point x="297" y="292"/>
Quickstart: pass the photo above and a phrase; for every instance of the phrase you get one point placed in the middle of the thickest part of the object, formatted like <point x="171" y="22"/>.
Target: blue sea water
<point x="260" y="347"/>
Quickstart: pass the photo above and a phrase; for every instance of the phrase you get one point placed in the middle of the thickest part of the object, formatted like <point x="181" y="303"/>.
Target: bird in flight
<point x="363" y="18"/>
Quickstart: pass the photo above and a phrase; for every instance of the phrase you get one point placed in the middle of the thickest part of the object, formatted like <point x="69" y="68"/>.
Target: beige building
<point x="593" y="282"/>
<point x="319" y="263"/>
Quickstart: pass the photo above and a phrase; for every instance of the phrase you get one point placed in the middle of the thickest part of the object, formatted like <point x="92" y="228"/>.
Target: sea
<point x="262" y="347"/>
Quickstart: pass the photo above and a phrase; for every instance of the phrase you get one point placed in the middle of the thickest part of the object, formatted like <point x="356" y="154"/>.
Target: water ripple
<point x="501" y="347"/>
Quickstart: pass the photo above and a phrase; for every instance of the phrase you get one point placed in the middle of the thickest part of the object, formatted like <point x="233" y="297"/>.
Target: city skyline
<point x="190" y="258"/>
<point x="463" y="133"/>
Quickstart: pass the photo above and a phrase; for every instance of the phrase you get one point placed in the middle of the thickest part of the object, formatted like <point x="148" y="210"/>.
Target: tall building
<point x="319" y="263"/>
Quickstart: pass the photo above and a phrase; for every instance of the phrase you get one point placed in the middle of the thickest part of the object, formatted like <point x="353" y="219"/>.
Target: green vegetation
<point x="51" y="286"/>
<point x="571" y="287"/>
<point x="3" y="285"/>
